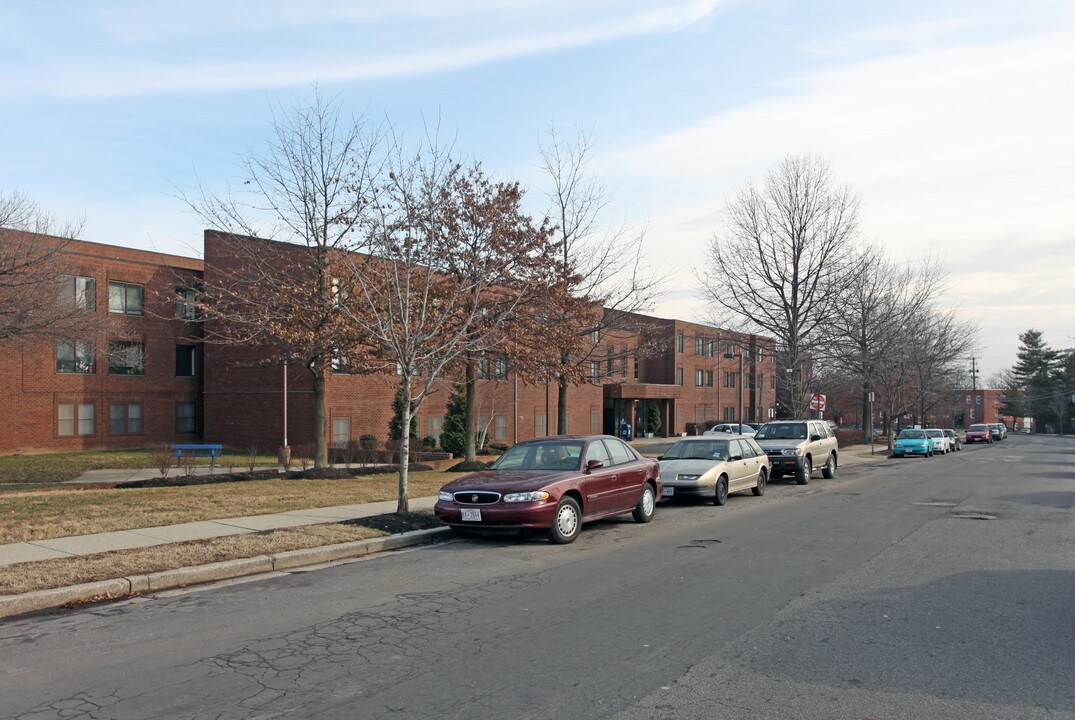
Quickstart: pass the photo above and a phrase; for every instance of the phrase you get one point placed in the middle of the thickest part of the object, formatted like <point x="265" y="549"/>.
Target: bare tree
<point x="602" y="274"/>
<point x="35" y="301"/>
<point x="418" y="306"/>
<point x="781" y="264"/>
<point x="309" y="189"/>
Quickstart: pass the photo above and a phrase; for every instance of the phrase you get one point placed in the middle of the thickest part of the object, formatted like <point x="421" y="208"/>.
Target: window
<point x="186" y="303"/>
<point x="968" y="399"/>
<point x="760" y="354"/>
<point x="339" y="363"/>
<point x="595" y="370"/>
<point x="436" y="425"/>
<point x="483" y="369"/>
<point x="699" y="343"/>
<point x="595" y="335"/>
<point x="126" y="358"/>
<point x="125" y="419"/>
<point x="699" y="378"/>
<point x="75" y="419"/>
<point x="501" y="427"/>
<point x="679" y="376"/>
<point x="623" y="365"/>
<point x="679" y="342"/>
<point x="500" y="368"/>
<point x="636" y="366"/>
<point x="729" y="379"/>
<point x="185" y="361"/>
<point x="595" y="421"/>
<point x="341" y="431"/>
<point x="709" y="378"/>
<point x="539" y="425"/>
<point x="125" y="298"/>
<point x="415" y="372"/>
<point x="772" y="382"/>
<point x="618" y="452"/>
<point x="597" y="451"/>
<point x="728" y="414"/>
<point x="79" y="292"/>
<point x="977" y="399"/>
<point x="186" y="418"/>
<point x="75" y="356"/>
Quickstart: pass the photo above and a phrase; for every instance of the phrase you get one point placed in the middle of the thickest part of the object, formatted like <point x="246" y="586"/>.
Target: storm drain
<point x="972" y="516"/>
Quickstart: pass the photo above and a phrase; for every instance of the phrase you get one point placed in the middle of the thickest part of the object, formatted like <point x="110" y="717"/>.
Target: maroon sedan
<point x="555" y="484"/>
<point x="979" y="433"/>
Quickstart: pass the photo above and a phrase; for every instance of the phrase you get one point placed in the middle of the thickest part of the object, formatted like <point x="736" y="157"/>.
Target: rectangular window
<point x="125" y="298"/>
<point x="595" y="335"/>
<point x="595" y="422"/>
<point x="186" y="303"/>
<point x="539" y="425"/>
<point x="968" y="399"/>
<point x="699" y="345"/>
<point x="595" y="371"/>
<point x="483" y="369"/>
<point x="125" y="418"/>
<point x="340" y="363"/>
<point x="699" y="378"/>
<point x="75" y="356"/>
<point x="679" y="376"/>
<point x="74" y="419"/>
<point x="483" y="424"/>
<point x="436" y="425"/>
<point x="679" y="342"/>
<point x="699" y="414"/>
<point x="709" y="348"/>
<point x="186" y="419"/>
<point x="126" y="358"/>
<point x="772" y="382"/>
<point x="501" y="427"/>
<point x="636" y="367"/>
<point x="79" y="292"/>
<point x="185" y="360"/>
<point x="500" y="368"/>
<point x="341" y="431"/>
<point x="709" y="378"/>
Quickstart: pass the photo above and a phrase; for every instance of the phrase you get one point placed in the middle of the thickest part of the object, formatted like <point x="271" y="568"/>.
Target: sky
<point x="951" y="120"/>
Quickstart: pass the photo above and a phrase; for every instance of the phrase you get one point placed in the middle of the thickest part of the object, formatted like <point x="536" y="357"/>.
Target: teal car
<point x="913" y="442"/>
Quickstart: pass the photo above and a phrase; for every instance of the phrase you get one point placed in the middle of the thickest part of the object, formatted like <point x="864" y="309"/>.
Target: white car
<point x="941" y="442"/>
<point x="730" y="428"/>
<point x="712" y="467"/>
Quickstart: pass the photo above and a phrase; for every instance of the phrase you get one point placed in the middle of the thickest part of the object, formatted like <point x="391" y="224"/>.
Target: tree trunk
<point x="867" y="413"/>
<point x="320" y="415"/>
<point x="561" y="405"/>
<point x="469" y="444"/>
<point x="403" y="501"/>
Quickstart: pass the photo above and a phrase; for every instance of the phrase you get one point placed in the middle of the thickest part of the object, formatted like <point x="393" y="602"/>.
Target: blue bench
<point x="209" y="451"/>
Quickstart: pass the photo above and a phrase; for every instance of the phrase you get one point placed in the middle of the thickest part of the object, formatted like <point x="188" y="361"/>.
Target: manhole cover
<point x="938" y="503"/>
<point x="973" y="516"/>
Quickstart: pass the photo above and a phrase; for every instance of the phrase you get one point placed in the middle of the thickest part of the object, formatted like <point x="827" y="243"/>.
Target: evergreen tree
<point x="453" y="437"/>
<point x="395" y="425"/>
<point x="1036" y="371"/>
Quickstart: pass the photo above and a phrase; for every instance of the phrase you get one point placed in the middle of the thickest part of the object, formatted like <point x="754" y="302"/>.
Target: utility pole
<point x="974" y="391"/>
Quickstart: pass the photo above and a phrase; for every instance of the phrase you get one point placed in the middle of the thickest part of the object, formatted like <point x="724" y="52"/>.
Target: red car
<point x="979" y="433"/>
<point x="555" y="484"/>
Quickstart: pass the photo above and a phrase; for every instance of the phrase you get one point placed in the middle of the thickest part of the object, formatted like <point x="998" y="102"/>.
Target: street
<point x="912" y="588"/>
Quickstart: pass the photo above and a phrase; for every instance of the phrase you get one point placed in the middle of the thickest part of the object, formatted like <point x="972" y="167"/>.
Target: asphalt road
<point x="940" y="588"/>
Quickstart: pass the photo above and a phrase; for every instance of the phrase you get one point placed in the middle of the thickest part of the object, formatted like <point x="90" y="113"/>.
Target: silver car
<point x="732" y="428"/>
<point x="941" y="442"/>
<point x="713" y="467"/>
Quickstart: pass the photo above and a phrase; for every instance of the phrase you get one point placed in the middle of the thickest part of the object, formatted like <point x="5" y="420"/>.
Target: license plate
<point x="668" y="491"/>
<point x="472" y="515"/>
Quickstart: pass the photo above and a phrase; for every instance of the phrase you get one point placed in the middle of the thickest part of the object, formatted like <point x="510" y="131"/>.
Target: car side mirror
<point x="815" y="438"/>
<point x="594" y="464"/>
<point x="733" y="458"/>
<point x="660" y="457"/>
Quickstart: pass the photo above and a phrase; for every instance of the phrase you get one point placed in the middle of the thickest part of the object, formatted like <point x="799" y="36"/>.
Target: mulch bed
<point x="396" y="522"/>
<point x="308" y="474"/>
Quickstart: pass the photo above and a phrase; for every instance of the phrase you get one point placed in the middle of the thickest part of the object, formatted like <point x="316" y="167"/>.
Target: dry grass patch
<point x="61" y="467"/>
<point x="43" y="515"/>
<point x="42" y="575"/>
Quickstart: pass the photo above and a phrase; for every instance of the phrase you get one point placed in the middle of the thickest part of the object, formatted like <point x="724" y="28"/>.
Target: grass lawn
<point x="44" y="470"/>
<point x="40" y="515"/>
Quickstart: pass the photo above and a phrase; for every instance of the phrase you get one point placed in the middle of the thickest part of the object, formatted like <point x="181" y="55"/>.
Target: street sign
<point x="871" y="396"/>
<point x="817" y="402"/>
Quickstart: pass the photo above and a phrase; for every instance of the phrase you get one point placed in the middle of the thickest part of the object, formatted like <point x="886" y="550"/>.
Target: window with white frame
<point x="75" y="419"/>
<point x="126" y="298"/>
<point x="595" y="371"/>
<point x="699" y="378"/>
<point x="341" y="431"/>
<point x="75" y="356"/>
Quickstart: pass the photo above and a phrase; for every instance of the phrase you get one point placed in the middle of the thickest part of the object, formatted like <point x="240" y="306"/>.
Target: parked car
<point x="953" y="439"/>
<point x="995" y="431"/>
<point x="554" y="484"/>
<point x="913" y="442"/>
<point x="979" y="433"/>
<point x="712" y="467"/>
<point x="732" y="428"/>
<point x="940" y="441"/>
<point x="798" y="446"/>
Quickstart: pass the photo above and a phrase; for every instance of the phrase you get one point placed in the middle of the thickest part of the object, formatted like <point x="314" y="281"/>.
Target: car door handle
<point x="615" y="477"/>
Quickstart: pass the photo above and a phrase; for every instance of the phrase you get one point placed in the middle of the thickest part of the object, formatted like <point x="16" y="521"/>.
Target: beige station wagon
<point x="713" y="466"/>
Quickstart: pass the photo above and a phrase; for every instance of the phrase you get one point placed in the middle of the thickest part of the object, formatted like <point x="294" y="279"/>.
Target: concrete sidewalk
<point x="78" y="545"/>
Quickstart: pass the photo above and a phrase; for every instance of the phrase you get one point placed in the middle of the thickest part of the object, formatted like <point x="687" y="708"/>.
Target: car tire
<point x="759" y="489"/>
<point x="643" y="511"/>
<point x="720" y="492"/>
<point x="829" y="471"/>
<point x="566" y="523"/>
<point x="802" y="477"/>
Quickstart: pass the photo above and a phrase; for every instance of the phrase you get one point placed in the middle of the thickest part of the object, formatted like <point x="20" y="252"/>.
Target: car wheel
<point x="759" y="489"/>
<point x="566" y="523"/>
<point x="644" y="510"/>
<point x="803" y="476"/>
<point x="720" y="492"/>
<point x="829" y="471"/>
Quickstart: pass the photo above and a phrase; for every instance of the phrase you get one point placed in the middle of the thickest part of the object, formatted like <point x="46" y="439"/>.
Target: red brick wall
<point x="32" y="388"/>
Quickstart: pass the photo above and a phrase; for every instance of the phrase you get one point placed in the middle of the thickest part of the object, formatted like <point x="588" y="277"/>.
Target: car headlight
<point x="688" y="478"/>
<point x="445" y="496"/>
<point x="533" y="496"/>
<point x="792" y="451"/>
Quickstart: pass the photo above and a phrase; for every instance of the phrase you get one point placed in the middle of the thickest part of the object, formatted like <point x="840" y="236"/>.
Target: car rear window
<point x="977" y="428"/>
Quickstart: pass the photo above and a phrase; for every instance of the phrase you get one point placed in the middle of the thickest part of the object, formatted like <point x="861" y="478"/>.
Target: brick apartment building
<point x="146" y="378"/>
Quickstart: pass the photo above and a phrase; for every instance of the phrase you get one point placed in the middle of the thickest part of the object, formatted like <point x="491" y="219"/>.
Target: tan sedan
<point x="714" y="466"/>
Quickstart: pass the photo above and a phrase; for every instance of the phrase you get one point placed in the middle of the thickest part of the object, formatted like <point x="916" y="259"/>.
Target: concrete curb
<point x="14" y="605"/>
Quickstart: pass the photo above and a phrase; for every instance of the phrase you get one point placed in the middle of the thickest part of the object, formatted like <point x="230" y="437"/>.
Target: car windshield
<point x="912" y="435"/>
<point x="698" y="450"/>
<point x="977" y="428"/>
<point x="935" y="433"/>
<point x="782" y="431"/>
<point x="547" y="455"/>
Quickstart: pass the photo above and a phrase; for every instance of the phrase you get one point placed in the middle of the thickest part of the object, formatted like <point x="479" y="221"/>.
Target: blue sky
<point x="952" y="120"/>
